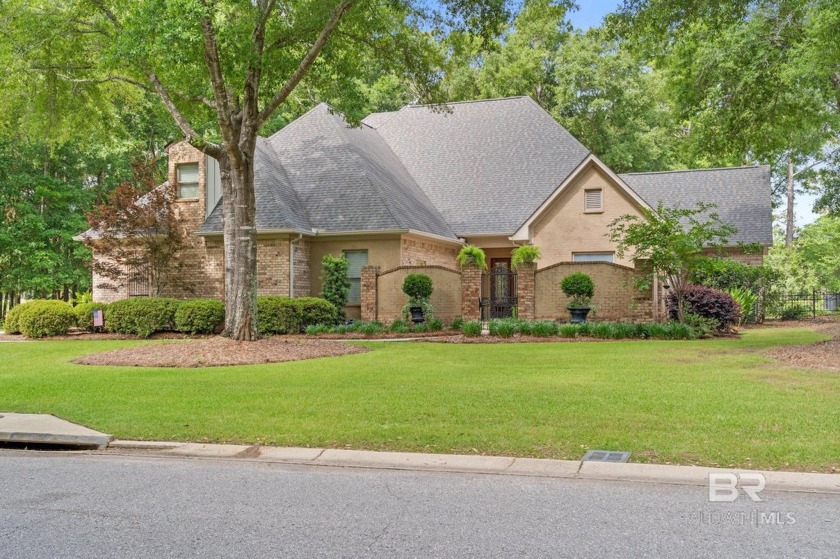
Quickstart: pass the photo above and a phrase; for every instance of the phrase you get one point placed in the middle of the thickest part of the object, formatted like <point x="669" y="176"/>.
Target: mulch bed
<point x="218" y="351"/>
<point x="821" y="356"/>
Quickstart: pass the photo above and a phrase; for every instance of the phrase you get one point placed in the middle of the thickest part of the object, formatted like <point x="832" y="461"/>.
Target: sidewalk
<point x="497" y="465"/>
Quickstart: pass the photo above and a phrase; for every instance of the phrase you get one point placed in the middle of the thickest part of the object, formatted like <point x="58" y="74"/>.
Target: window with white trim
<point x="356" y="259"/>
<point x="187" y="180"/>
<point x="593" y="257"/>
<point x="593" y="200"/>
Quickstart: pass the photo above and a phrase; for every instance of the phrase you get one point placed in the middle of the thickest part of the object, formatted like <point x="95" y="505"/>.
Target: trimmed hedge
<point x="285" y="315"/>
<point x="200" y="316"/>
<point x="84" y="314"/>
<point x="46" y="318"/>
<point x="708" y="303"/>
<point x="12" y="323"/>
<point x="142" y="316"/>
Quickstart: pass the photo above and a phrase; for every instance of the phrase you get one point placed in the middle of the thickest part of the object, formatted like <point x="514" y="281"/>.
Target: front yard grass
<point x="714" y="402"/>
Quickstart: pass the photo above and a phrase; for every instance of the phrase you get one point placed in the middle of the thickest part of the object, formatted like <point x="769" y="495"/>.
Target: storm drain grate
<point x="606" y="456"/>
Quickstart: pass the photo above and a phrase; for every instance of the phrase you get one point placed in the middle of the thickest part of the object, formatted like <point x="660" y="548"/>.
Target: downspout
<point x="292" y="243"/>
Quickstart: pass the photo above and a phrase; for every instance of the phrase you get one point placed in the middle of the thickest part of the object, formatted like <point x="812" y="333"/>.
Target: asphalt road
<point x="78" y="505"/>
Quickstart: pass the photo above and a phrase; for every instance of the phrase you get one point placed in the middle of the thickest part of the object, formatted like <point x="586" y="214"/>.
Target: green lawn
<point x="715" y="402"/>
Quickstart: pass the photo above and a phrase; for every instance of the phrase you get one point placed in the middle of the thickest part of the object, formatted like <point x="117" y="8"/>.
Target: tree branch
<point x="182" y="122"/>
<point x="307" y="61"/>
<point x="107" y="13"/>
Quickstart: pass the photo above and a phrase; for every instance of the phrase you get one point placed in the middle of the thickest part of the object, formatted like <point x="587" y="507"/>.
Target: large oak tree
<point x="223" y="67"/>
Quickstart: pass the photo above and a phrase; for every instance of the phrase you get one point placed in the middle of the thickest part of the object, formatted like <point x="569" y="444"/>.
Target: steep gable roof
<point x="348" y="179"/>
<point x="742" y="196"/>
<point x="485" y="165"/>
<point x="277" y="205"/>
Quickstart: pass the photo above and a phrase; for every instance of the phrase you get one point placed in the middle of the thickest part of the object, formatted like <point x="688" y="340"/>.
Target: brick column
<point x="525" y="283"/>
<point x="470" y="292"/>
<point x="368" y="285"/>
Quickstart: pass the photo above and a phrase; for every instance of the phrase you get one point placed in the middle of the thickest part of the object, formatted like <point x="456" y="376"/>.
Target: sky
<point x="591" y="13"/>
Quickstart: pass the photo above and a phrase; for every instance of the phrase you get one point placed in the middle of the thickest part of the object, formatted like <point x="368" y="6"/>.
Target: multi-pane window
<point x="356" y="259"/>
<point x="593" y="200"/>
<point x="188" y="180"/>
<point x="592" y="257"/>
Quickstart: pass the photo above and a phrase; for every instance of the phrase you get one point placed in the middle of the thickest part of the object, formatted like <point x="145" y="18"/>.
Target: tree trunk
<point x="239" y="210"/>
<point x="790" y="199"/>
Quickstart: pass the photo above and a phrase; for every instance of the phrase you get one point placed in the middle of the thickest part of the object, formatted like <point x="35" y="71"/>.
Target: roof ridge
<point x="342" y="126"/>
<point x="463" y="102"/>
<point x="695" y="170"/>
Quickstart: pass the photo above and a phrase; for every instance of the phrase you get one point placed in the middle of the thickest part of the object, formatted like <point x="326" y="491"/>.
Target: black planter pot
<point x="579" y="314"/>
<point x="417" y="315"/>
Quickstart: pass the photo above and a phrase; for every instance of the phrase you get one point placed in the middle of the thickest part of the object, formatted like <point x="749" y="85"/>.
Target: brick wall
<point x="420" y="251"/>
<point x="525" y="278"/>
<point x="616" y="297"/>
<point x="302" y="274"/>
<point x="470" y="292"/>
<point x="389" y="298"/>
<point x="370" y="292"/>
<point x="273" y="266"/>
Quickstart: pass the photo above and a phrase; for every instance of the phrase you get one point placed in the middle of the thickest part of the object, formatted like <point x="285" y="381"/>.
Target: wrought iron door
<point x="500" y="280"/>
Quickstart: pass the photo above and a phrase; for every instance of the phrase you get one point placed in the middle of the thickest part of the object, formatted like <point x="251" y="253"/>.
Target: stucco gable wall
<point x="564" y="228"/>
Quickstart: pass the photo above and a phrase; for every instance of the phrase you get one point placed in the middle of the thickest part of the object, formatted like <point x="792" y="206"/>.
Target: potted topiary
<point x="578" y="287"/>
<point x="419" y="288"/>
<point x="526" y="254"/>
<point x="471" y="254"/>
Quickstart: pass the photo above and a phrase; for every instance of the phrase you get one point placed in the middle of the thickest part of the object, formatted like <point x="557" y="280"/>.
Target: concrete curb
<point x="496" y="465"/>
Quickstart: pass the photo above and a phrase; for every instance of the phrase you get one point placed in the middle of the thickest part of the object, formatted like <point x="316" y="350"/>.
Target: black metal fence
<point x="805" y="304"/>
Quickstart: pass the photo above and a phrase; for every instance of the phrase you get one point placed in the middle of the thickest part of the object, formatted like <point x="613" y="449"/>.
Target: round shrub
<point x="707" y="303"/>
<point x="46" y="318"/>
<point x="417" y="286"/>
<point x="200" y="316"/>
<point x="315" y="310"/>
<point x="288" y="315"/>
<point x="578" y="286"/>
<point x="12" y="323"/>
<point x="142" y="316"/>
<point x="84" y="314"/>
<point x="277" y="315"/>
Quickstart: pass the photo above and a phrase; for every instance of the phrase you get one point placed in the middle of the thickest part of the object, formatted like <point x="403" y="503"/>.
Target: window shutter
<point x="592" y="200"/>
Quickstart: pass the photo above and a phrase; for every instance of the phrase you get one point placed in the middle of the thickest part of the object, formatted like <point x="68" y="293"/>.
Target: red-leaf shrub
<point x="708" y="303"/>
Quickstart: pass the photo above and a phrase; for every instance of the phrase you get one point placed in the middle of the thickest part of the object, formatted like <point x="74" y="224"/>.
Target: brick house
<point x="405" y="190"/>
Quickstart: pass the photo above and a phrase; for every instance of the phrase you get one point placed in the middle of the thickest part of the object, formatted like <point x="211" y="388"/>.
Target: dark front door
<point x="501" y="282"/>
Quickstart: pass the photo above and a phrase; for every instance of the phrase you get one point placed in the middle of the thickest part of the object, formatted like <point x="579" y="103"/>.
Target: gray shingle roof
<point x="478" y="167"/>
<point x="485" y="165"/>
<point x="277" y="204"/>
<point x="742" y="196"/>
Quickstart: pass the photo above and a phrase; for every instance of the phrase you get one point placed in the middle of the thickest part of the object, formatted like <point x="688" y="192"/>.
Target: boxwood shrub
<point x="84" y="314"/>
<point x="142" y="316"/>
<point x="286" y="315"/>
<point x="12" y="322"/>
<point x="200" y="316"/>
<point x="39" y="319"/>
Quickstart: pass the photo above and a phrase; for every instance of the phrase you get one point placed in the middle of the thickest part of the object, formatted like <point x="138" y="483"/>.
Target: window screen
<point x="356" y="259"/>
<point x="592" y="257"/>
<point x="188" y="180"/>
<point x="592" y="200"/>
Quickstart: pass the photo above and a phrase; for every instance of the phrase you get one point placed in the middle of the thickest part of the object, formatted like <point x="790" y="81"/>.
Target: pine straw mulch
<point x="824" y="356"/>
<point x="218" y="351"/>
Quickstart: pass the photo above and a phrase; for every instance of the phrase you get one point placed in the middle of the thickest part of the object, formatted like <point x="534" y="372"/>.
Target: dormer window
<point x="593" y="200"/>
<point x="188" y="181"/>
